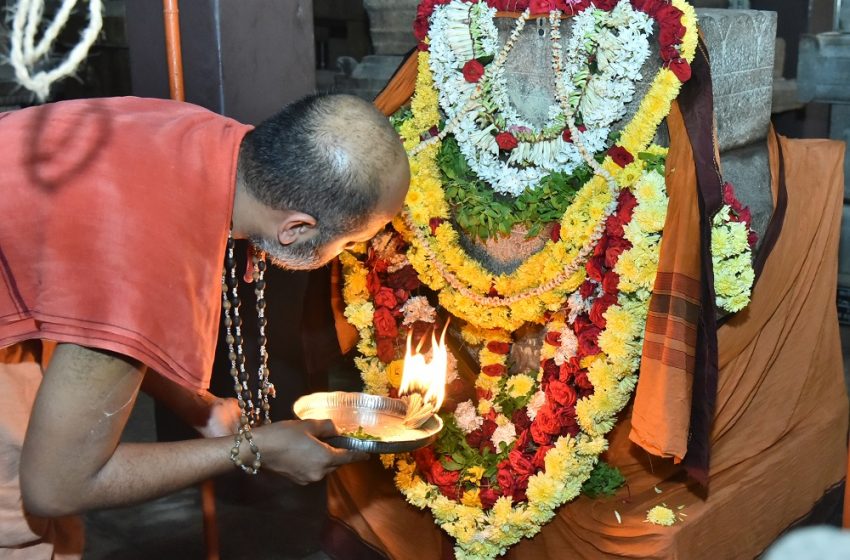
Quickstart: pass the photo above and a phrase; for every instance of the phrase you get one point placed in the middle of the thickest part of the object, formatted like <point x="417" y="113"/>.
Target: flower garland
<point x="531" y="441"/>
<point x="528" y="441"/>
<point x="732" y="243"/>
<point x="501" y="147"/>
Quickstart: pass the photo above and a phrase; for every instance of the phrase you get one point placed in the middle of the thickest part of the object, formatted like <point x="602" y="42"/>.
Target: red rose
<point x="401" y="296"/>
<point x="499" y="347"/>
<point x="566" y="416"/>
<point x="607" y="5"/>
<point x="386" y="349"/>
<point x="506" y="141"/>
<point x="553" y="338"/>
<point x="567" y="135"/>
<point x="621" y="156"/>
<point x="569" y="369"/>
<point x="561" y="393"/>
<point x="441" y="477"/>
<point x="520" y="464"/>
<point x="729" y="194"/>
<point x="505" y="479"/>
<point x="626" y="206"/>
<point x="488" y="427"/>
<point x="373" y="282"/>
<point x="582" y="381"/>
<point x="472" y="71"/>
<point x="649" y="7"/>
<point x="595" y="268"/>
<point x="434" y="223"/>
<point x="385" y="298"/>
<point x="488" y="497"/>
<point x="542" y="6"/>
<point x="616" y="247"/>
<point x="586" y="289"/>
<point x="521" y="420"/>
<point x="599" y="250"/>
<point x="681" y="69"/>
<point x="380" y="265"/>
<point x="550" y="370"/>
<point x="614" y="226"/>
<point x="520" y="486"/>
<point x="671" y="34"/>
<point x="474" y="438"/>
<point x="405" y="279"/>
<point x="483" y="394"/>
<point x="670" y="52"/>
<point x="524" y="440"/>
<point x="546" y="420"/>
<point x="668" y="14"/>
<point x="588" y="342"/>
<point x="581" y="323"/>
<point x="539" y="459"/>
<point x="555" y="234"/>
<point x="752" y="239"/>
<point x="420" y="28"/>
<point x="385" y="325"/>
<point x="610" y="282"/>
<point x="494" y="370"/>
<point x="424" y="459"/>
<point x="539" y="436"/>
<point x="599" y="307"/>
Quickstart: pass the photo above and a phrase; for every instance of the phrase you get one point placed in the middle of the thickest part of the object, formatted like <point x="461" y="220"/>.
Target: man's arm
<point x="209" y="415"/>
<point x="72" y="459"/>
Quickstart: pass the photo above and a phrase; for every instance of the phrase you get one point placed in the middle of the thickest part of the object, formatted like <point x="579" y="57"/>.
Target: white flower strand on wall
<point x="26" y="55"/>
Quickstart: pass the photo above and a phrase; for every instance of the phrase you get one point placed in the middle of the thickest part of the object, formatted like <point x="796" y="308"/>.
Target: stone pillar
<point x="741" y="46"/>
<point x="824" y="76"/>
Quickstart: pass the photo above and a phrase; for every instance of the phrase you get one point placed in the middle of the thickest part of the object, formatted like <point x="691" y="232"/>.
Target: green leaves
<point x="654" y="162"/>
<point x="484" y="214"/>
<point x="605" y="480"/>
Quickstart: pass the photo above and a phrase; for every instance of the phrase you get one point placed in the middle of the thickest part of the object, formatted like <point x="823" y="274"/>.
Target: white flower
<point x="467" y="418"/>
<point x="568" y="348"/>
<point x="505" y="433"/>
<point x="417" y="308"/>
<point x="535" y="404"/>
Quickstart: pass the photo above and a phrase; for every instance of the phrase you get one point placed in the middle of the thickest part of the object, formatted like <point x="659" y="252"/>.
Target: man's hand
<point x="222" y="419"/>
<point x="294" y="450"/>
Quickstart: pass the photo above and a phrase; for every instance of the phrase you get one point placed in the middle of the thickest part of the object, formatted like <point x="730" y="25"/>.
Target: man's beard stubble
<point x="301" y="255"/>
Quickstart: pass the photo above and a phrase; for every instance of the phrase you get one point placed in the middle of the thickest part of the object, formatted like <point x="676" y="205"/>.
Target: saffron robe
<point x="115" y="214"/>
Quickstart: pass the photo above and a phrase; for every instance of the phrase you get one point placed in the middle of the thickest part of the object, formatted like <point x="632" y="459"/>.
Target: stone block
<point x="391" y="25"/>
<point x="748" y="169"/>
<point x="367" y="78"/>
<point x="844" y="249"/>
<point x="823" y="72"/>
<point x="741" y="46"/>
<point x="844" y="17"/>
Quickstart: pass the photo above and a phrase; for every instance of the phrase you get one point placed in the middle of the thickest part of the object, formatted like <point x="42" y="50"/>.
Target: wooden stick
<point x="173" y="51"/>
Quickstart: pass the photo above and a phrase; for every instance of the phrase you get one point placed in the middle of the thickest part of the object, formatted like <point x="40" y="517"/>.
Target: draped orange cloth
<point x="778" y="438"/>
<point x="115" y="216"/>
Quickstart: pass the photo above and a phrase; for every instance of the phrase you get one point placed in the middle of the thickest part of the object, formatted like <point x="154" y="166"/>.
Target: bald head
<point x="333" y="157"/>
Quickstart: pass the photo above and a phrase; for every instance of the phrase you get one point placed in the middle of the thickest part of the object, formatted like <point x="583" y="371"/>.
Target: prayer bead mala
<point x="252" y="411"/>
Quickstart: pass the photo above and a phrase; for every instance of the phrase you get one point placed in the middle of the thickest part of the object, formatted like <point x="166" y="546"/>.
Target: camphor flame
<point x="423" y="381"/>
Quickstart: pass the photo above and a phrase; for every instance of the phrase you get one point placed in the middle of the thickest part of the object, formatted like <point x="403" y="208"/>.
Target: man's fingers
<point x="321" y="428"/>
<point x="343" y="457"/>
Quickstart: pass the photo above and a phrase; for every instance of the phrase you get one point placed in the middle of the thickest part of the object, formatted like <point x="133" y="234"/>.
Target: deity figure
<point x="568" y="213"/>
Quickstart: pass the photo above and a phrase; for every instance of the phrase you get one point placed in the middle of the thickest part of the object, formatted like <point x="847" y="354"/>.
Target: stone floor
<point x="262" y="518"/>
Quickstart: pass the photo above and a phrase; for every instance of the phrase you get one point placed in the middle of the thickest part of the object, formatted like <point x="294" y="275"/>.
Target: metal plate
<point x="382" y="417"/>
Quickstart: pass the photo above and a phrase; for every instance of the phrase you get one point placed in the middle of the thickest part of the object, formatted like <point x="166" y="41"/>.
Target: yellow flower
<point x="474" y="474"/>
<point x="661" y="515"/>
<point x="520" y="385"/>
<point x="360" y="315"/>
<point x="394" y="371"/>
<point x="470" y="498"/>
<point x="388" y="460"/>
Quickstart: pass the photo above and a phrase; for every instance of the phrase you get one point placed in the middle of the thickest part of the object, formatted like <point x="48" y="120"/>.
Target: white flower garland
<point x="620" y="40"/>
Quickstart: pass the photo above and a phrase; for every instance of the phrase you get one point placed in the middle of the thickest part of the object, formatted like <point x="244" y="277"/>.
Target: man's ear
<point x="295" y="226"/>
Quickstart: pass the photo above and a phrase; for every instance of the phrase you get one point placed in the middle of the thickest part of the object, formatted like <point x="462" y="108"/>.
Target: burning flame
<point x="423" y="376"/>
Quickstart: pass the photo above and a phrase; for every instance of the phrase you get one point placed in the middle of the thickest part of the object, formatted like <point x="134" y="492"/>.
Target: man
<point x="115" y="216"/>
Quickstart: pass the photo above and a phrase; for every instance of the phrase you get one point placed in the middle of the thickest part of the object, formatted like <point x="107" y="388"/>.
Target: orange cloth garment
<point x="662" y="405"/>
<point x="115" y="216"/>
<point x="779" y="435"/>
<point x="22" y="536"/>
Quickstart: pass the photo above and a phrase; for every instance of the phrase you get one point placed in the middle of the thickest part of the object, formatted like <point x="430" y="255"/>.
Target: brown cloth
<point x="115" y="216"/>
<point x="779" y="435"/>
